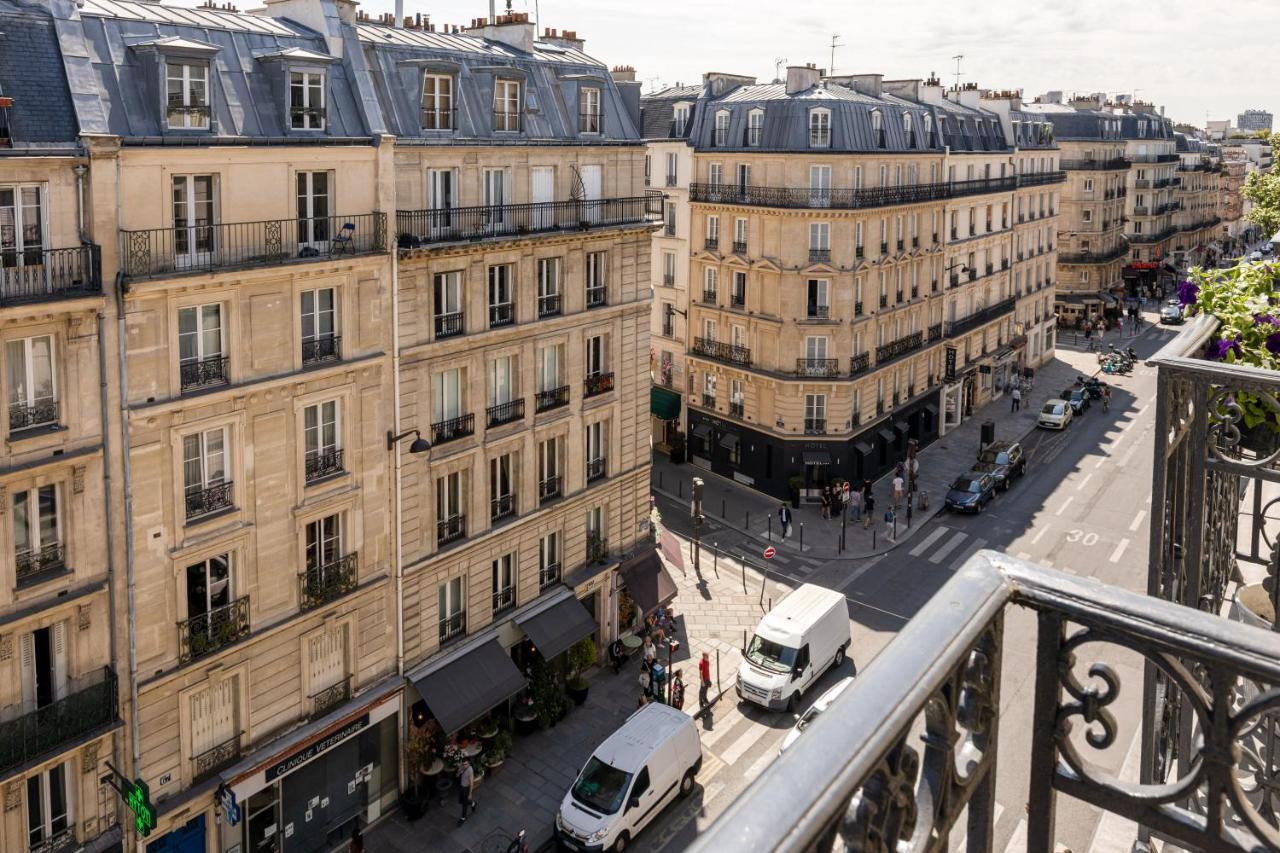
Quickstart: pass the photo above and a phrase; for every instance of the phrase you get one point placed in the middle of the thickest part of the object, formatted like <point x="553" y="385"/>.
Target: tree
<point x="1263" y="189"/>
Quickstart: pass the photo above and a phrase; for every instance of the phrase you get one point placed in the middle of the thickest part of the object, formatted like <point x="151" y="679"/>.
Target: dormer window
<point x="722" y="129"/>
<point x="187" y="98"/>
<point x="909" y="129"/>
<point x="819" y="128"/>
<point x="755" y="128"/>
<point x="437" y="102"/>
<point x="928" y="129"/>
<point x="680" y="120"/>
<point x="589" y="118"/>
<point x="306" y="100"/>
<point x="506" y="105"/>
<point x="877" y="127"/>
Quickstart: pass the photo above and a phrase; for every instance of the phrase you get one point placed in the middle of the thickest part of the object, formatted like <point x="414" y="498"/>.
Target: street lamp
<point x="420" y="444"/>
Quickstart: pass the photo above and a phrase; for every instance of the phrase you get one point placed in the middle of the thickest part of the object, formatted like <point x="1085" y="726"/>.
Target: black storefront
<point x="767" y="462"/>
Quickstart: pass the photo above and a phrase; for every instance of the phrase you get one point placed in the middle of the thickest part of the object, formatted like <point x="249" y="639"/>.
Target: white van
<point x="640" y="768"/>
<point x="794" y="644"/>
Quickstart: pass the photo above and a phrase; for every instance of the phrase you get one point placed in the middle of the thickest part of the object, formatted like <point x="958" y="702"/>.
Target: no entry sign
<point x="769" y="552"/>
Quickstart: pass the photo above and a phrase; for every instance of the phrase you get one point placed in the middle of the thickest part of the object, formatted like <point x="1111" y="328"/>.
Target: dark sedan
<point x="971" y="492"/>
<point x="1078" y="399"/>
<point x="1003" y="460"/>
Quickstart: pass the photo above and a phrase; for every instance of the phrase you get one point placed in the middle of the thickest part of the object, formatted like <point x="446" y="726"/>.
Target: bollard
<point x="802" y="537"/>
<point x="747" y="525"/>
<point x="680" y="489"/>
<point x="722" y="512"/>
<point x="744" y="577"/>
<point x="659" y="480"/>
<point x="715" y="559"/>
<point x="873" y="537"/>
<point x="768" y="536"/>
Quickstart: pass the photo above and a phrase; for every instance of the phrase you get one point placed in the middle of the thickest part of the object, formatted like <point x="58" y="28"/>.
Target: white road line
<point x="1138" y="414"/>
<point x="941" y="553"/>
<point x="1080" y="485"/>
<point x="929" y="540"/>
<point x="1018" y="843"/>
<point x="1137" y="519"/>
<point x="1022" y="555"/>
<point x="1041" y="532"/>
<point x="757" y="767"/>
<point x="968" y="552"/>
<point x="1064" y="506"/>
<point x="1115" y="555"/>
<point x="745" y="741"/>
<point x="1113" y="833"/>
<point x="1101" y="460"/>
<point x="721" y="727"/>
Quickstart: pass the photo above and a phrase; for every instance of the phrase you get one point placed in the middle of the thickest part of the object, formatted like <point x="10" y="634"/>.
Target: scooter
<point x="518" y="844"/>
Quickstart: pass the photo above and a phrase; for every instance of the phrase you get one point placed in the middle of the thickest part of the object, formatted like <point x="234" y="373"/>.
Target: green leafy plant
<point x="796" y="482"/>
<point x="548" y="699"/>
<point x="582" y="656"/>
<point x="1263" y="189"/>
<point x="499" y="747"/>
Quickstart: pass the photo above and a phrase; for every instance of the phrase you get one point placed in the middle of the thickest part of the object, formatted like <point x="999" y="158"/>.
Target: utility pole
<point x="695" y="510"/>
<point x="958" y="57"/>
<point x="835" y="42"/>
<point x="778" y="62"/>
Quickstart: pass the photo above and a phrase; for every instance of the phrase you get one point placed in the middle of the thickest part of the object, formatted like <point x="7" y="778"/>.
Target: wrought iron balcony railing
<point x="209" y="499"/>
<point x="89" y="705"/>
<point x="549" y="306"/>
<point x="453" y="428"/>
<point x="34" y="566"/>
<point x="736" y="409"/>
<point x="818" y="312"/>
<point x="451" y="529"/>
<point x="597" y="296"/>
<point x="913" y="743"/>
<point x="452" y="627"/>
<point x="709" y="295"/>
<point x="548" y="575"/>
<point x="739" y="247"/>
<point x="449" y="325"/>
<point x="206" y="633"/>
<point x="418" y="228"/>
<point x="597" y="547"/>
<point x="208" y="763"/>
<point x="502" y="314"/>
<point x="721" y="351"/>
<point x="817" y="367"/>
<point x="504" y="599"/>
<point x="552" y="399"/>
<point x="318" y="585"/>
<point x="897" y="349"/>
<point x="1088" y="257"/>
<point x="205" y="246"/>
<point x="1035" y="179"/>
<point x="323" y="463"/>
<point x="60" y="841"/>
<point x="502" y="506"/>
<point x="550" y="488"/>
<point x="505" y="413"/>
<point x="819" y="256"/>
<point x="815" y="426"/>
<point x="323" y="701"/>
<point x="935" y="332"/>
<point x="327" y="348"/>
<point x="808" y="197"/>
<point x="859" y="363"/>
<point x="708" y="400"/>
<point x="42" y="275"/>
<point x="203" y="373"/>
<point x="597" y="383"/>
<point x="983" y="315"/>
<point x="1111" y="165"/>
<point x="597" y="468"/>
<point x="37" y="414"/>
<point x="1152" y="238"/>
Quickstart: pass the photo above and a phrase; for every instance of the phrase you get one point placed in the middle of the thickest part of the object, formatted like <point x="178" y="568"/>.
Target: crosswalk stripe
<point x="724" y="723"/>
<point x="968" y="551"/>
<point x="941" y="553"/>
<point x="1018" y="843"/>
<point x="929" y="540"/>
<point x="744" y="742"/>
<point x="757" y="767"/>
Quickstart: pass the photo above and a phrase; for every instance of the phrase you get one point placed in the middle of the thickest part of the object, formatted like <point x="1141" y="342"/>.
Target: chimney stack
<point x="801" y="78"/>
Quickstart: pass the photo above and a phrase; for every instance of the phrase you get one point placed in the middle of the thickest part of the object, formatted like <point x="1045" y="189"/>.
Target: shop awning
<point x="664" y="404"/>
<point x="671" y="549"/>
<point x="469" y="686"/>
<point x="555" y="629"/>
<point x="864" y="448"/>
<point x="729" y="441"/>
<point x="886" y="434"/>
<point x="702" y="430"/>
<point x="648" y="581"/>
<point x="931" y="409"/>
<point x="816" y="457"/>
<point x="902" y="427"/>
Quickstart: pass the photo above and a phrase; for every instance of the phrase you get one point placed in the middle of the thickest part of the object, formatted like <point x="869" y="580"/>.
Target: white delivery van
<point x="794" y="644"/>
<point x="643" y="766"/>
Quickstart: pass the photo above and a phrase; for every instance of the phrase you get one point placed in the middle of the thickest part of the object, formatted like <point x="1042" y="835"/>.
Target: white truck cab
<point x="794" y="644"/>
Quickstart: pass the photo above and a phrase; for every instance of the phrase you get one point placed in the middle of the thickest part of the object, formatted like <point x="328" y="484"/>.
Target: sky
<point x="1197" y="60"/>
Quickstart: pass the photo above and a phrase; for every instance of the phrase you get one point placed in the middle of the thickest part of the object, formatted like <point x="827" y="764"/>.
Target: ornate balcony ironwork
<point x="419" y="228"/>
<point x="331" y="697"/>
<point x="737" y="299"/>
<point x="935" y="332"/>
<point x="1087" y="257"/>
<point x="983" y="315"/>
<point x="815" y="426"/>
<point x="550" y="488"/>
<point x="1114" y="164"/>
<point x="736" y="410"/>
<point x="210" y="499"/>
<point x="597" y="296"/>
<point x="722" y="352"/>
<point x="549" y="306"/>
<point x="504" y="599"/>
<point x="1035" y="179"/>
<point x="818" y="312"/>
<point x="205" y="246"/>
<point x="553" y="399"/>
<point x="208" y="763"/>
<point x="203" y="373"/>
<point x="846" y="199"/>
<point x="206" y="633"/>
<point x="323" y="463"/>
<point x="597" y="383"/>
<point x="453" y="429"/>
<point x="912" y="744"/>
<point x="326" y="348"/>
<point x="56" y="842"/>
<point x="318" y="585"/>
<point x="1152" y="238"/>
<point x="548" y="575"/>
<point x="33" y="566"/>
<point x="596" y="468"/>
<point x="502" y="506"/>
<point x="709" y="295"/>
<point x="897" y="349"/>
<point x="449" y="325"/>
<point x="452" y="627"/>
<point x="817" y="367"/>
<point x="597" y="547"/>
<point x="859" y="363"/>
<point x="38" y="414"/>
<point x="857" y="309"/>
<point x="501" y="314"/>
<point x="43" y="275"/>
<point x="708" y="400"/>
<point x="819" y="256"/>
<point x="89" y="705"/>
<point x="505" y="413"/>
<point x="451" y="529"/>
<point x="739" y="247"/>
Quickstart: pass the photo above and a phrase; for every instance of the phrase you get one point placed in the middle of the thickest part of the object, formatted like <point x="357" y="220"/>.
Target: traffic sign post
<point x="769" y="552"/>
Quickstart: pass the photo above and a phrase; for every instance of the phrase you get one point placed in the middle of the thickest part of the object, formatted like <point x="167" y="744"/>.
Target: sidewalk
<point x="741" y="508"/>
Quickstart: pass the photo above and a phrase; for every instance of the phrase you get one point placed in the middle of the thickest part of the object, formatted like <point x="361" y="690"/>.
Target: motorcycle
<point x="518" y="844"/>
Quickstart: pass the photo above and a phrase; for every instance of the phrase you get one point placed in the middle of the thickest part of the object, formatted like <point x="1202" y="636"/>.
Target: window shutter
<point x="59" y="660"/>
<point x="28" y="672"/>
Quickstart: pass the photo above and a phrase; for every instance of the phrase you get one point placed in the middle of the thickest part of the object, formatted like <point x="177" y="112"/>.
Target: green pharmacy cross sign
<point x="137" y="797"/>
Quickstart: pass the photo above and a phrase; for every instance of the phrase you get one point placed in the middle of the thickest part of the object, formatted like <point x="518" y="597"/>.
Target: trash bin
<point x="924" y="499"/>
<point x="988" y="432"/>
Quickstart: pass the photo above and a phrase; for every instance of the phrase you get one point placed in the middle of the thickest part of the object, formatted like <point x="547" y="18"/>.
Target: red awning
<point x="672" y="551"/>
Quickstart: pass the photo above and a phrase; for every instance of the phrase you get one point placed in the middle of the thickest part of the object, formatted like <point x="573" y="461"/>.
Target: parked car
<point x="1255" y="256"/>
<point x="1056" y="414"/>
<point x="1078" y="399"/>
<point x="822" y="704"/>
<point x="630" y="777"/>
<point x="971" y="492"/>
<point x="806" y="634"/>
<point x="1171" y="313"/>
<point x="1003" y="460"/>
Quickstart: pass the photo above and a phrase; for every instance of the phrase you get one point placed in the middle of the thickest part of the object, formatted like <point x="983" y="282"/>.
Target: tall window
<point x="819" y="236"/>
<point x="33" y="398"/>
<point x="589" y="116"/>
<point x="506" y="105"/>
<point x="549" y="483"/>
<point x="321" y="440"/>
<point x="819" y="129"/>
<point x="306" y="100"/>
<point x="548" y="559"/>
<point x="597" y="281"/>
<point x="313" y="208"/>
<point x="208" y="590"/>
<point x="21" y="231"/>
<point x="319" y="312"/>
<point x="596" y="355"/>
<point x="673" y="168"/>
<point x="669" y="268"/>
<point x="502" y="495"/>
<point x="323" y="543"/>
<point x="194" y="235"/>
<point x="451" y="609"/>
<point x="448" y="304"/>
<point x="48" y="812"/>
<point x="201" y="358"/>
<point x="877" y="128"/>
<point x="755" y="127"/>
<point x="815" y="413"/>
<point x="548" y="287"/>
<point x="450" y="519"/>
<point x="818" y="295"/>
<point x="37" y="537"/>
<point x="446" y="397"/>
<point x="205" y="467"/>
<point x="437" y="102"/>
<point x="549" y="368"/>
<point x="504" y="583"/>
<point x="502" y="371"/>
<point x="502" y="309"/>
<point x="679" y="122"/>
<point x="722" y="128"/>
<point x="597" y="436"/>
<point x="909" y="129"/>
<point x="187" y="95"/>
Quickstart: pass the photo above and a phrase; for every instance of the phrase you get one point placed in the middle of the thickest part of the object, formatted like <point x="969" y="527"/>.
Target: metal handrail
<point x="40" y="275"/>
<point x="206" y="633"/>
<point x="209" y="499"/>
<point x="28" y="416"/>
<point x="416" y="228"/>
<point x="817" y="367"/>
<point x="453" y="428"/>
<point x="505" y="413"/>
<point x="27" y="738"/>
<point x="982" y="315"/>
<point x="320" y="584"/>
<point x="730" y="353"/>
<point x="323" y="463"/>
<point x="323" y="348"/>
<point x="451" y="529"/>
<point x="201" y="373"/>
<point x="897" y="349"/>
<point x="551" y="399"/>
<point x="502" y="506"/>
<point x="549" y="488"/>
<point x="450" y="324"/>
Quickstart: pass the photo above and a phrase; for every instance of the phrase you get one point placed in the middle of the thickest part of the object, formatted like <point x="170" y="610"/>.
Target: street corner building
<point x="847" y="265"/>
<point x="324" y="348"/>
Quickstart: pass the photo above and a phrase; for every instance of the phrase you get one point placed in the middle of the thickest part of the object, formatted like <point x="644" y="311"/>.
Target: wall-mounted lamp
<point x="420" y="444"/>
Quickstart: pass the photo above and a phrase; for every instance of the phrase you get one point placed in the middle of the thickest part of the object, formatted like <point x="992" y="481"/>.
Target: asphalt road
<point x="1083" y="507"/>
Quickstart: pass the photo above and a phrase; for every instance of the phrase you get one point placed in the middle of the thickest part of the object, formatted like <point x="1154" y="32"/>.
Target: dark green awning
<point x="664" y="404"/>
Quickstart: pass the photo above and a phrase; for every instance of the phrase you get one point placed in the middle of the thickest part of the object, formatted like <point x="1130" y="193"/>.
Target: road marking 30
<point x="1115" y="555"/>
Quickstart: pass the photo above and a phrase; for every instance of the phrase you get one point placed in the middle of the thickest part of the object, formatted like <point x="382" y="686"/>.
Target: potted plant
<point x="496" y="753"/>
<point x="548" y="698"/>
<point x="487" y="728"/>
<point x="419" y="754"/>
<point x="795" y="483"/>
<point x="626" y="610"/>
<point x="582" y="655"/>
<point x="525" y="714"/>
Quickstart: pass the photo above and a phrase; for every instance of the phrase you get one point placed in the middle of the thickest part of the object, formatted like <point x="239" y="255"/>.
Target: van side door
<point x="804" y="668"/>
<point x="640" y="801"/>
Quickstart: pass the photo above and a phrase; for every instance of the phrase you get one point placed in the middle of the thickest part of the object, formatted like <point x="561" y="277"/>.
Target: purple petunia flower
<point x="1218" y="349"/>
<point x="1273" y="343"/>
<point x="1266" y="319"/>
<point x="1187" y="293"/>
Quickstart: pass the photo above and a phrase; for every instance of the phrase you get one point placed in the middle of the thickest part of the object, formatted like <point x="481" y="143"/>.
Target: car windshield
<point x="964" y="484"/>
<point x="993" y="457"/>
<point x="771" y="655"/>
<point x="601" y="787"/>
<point x="1052" y="409"/>
<point x="1077" y="395"/>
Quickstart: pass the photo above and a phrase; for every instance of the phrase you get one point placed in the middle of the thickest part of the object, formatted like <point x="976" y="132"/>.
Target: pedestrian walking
<point x="677" y="691"/>
<point x="466" y="789"/>
<point x="1016" y="396"/>
<point x="784" y="517"/>
<point x="855" y="505"/>
<point x="868" y="510"/>
<point x="898" y="484"/>
<point x="826" y="502"/>
<point x="704" y="680"/>
<point x="889" y="523"/>
<point x="646" y="680"/>
<point x="650" y="650"/>
<point x="617" y="655"/>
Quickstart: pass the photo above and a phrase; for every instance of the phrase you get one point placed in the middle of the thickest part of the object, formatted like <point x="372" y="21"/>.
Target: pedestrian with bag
<point x="826" y="503"/>
<point x="868" y="510"/>
<point x="466" y="789"/>
<point x="704" y="681"/>
<point x="898" y="486"/>
<point x="1016" y="396"/>
<point x="889" y="524"/>
<point x="784" y="516"/>
<point x="677" y="691"/>
<point x="646" y="682"/>
<point x="650" y="650"/>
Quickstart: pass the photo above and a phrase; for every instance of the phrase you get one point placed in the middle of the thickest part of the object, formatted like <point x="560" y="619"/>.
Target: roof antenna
<point x="835" y="42"/>
<point x="777" y="68"/>
<point x="958" y="57"/>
